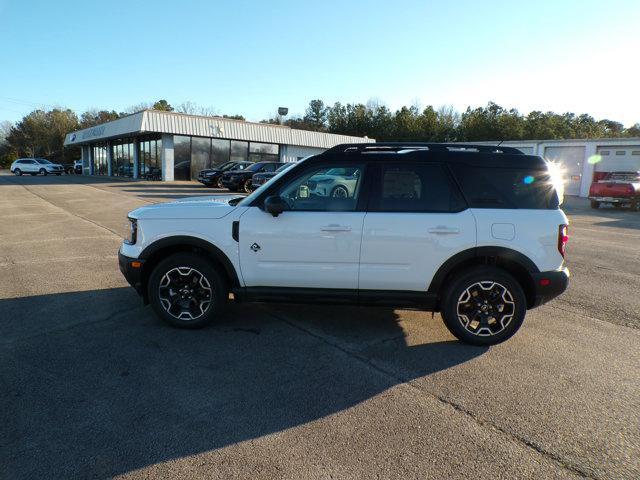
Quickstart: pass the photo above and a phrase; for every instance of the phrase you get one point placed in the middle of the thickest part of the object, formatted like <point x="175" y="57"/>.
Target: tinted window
<point x="220" y="151"/>
<point x="239" y="150"/>
<point x="181" y="157"/>
<point x="415" y="188"/>
<point x="200" y="155"/>
<point x="325" y="189"/>
<point x="506" y="187"/>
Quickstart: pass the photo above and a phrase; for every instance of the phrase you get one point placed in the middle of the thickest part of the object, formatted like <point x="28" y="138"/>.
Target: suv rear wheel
<point x="484" y="306"/>
<point x="186" y="291"/>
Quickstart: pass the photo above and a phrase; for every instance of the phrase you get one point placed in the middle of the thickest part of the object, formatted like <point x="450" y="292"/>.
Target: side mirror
<point x="275" y="205"/>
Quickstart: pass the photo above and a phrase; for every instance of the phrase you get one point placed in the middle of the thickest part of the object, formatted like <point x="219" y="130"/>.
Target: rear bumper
<point x="131" y="273"/>
<point x="612" y="199"/>
<point x="549" y="285"/>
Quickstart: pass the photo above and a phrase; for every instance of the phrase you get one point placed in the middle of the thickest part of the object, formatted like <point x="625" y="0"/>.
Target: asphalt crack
<point x="396" y="378"/>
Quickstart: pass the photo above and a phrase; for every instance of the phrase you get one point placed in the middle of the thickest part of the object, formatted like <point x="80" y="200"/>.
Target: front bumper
<point x="612" y="199"/>
<point x="549" y="285"/>
<point x="131" y="268"/>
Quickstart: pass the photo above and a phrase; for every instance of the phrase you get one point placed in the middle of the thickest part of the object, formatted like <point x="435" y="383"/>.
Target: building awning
<point x="154" y="121"/>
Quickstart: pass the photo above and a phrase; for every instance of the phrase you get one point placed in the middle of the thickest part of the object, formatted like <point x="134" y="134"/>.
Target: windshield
<point x="42" y="161"/>
<point x="255" y="167"/>
<point x="284" y="167"/>
<point x="227" y="166"/>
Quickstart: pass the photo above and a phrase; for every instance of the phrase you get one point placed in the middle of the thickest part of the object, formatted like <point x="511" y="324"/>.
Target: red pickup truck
<point x="617" y="188"/>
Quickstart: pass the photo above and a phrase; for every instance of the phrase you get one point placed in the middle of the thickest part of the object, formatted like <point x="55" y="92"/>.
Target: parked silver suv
<point x="35" y="166"/>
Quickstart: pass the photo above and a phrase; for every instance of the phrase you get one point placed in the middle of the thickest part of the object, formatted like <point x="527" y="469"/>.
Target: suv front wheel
<point x="484" y="306"/>
<point x="186" y="291"/>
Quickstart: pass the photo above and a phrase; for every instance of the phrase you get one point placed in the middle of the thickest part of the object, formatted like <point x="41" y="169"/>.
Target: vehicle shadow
<point x="93" y="385"/>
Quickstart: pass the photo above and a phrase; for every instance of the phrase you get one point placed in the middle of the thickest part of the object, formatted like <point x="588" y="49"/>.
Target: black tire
<point x="202" y="315"/>
<point x="17" y="172"/>
<point x="246" y="186"/>
<point x="489" y="329"/>
<point x="595" y="204"/>
<point x="340" y="192"/>
<point x="219" y="183"/>
<point x="42" y="172"/>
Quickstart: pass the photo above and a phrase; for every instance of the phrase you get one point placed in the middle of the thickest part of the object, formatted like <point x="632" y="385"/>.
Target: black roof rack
<point x="392" y="147"/>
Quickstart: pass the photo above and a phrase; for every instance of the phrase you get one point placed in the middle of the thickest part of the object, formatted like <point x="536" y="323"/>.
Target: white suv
<point x="473" y="232"/>
<point x="35" y="166"/>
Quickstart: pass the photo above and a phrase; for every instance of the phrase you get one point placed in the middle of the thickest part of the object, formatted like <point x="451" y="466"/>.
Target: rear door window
<point x="415" y="188"/>
<point x="506" y="187"/>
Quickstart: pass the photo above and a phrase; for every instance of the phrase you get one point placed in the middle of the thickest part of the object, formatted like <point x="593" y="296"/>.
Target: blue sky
<point x="249" y="57"/>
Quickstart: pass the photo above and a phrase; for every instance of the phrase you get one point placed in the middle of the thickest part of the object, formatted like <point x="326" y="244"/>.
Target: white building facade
<point x="177" y="146"/>
<point x="582" y="159"/>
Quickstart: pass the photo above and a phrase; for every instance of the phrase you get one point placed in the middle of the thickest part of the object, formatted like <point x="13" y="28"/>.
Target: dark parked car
<point x="241" y="180"/>
<point x="260" y="179"/>
<point x="211" y="177"/>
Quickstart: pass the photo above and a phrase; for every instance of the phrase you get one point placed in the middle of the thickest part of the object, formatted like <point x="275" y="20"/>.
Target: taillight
<point x="563" y="238"/>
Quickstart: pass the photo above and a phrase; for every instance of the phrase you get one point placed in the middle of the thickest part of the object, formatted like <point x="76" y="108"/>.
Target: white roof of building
<point x="562" y="141"/>
<point x="181" y="124"/>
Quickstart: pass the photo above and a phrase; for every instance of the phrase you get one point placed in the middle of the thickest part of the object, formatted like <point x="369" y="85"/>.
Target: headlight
<point x="133" y="232"/>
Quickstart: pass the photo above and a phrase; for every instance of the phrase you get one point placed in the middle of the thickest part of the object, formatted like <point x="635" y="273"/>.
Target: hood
<point x="209" y="207"/>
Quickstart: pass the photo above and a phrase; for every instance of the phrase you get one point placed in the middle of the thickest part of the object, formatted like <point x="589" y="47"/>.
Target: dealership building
<point x="584" y="160"/>
<point x="177" y="146"/>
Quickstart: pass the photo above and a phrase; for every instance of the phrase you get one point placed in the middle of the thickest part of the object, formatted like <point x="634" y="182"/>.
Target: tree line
<point x="41" y="133"/>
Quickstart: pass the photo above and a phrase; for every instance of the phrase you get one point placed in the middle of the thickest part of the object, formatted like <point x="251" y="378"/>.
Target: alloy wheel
<point x="185" y="293"/>
<point x="485" y="308"/>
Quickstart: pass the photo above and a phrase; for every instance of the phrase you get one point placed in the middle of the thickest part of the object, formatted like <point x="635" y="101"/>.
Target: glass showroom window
<point x="260" y="152"/>
<point x="239" y="151"/>
<point x="200" y="155"/>
<point x="181" y="157"/>
<point x="220" y="151"/>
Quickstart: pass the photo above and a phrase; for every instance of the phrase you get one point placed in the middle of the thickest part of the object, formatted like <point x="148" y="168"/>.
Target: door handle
<point x="335" y="228"/>
<point x="442" y="230"/>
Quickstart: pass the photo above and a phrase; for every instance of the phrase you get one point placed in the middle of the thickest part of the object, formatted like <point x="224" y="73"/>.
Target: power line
<point x="25" y="102"/>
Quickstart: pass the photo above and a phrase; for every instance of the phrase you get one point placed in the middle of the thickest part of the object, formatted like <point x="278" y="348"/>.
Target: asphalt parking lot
<point x="92" y="385"/>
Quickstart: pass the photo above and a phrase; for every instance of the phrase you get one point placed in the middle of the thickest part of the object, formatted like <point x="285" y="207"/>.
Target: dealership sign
<point x="92" y="132"/>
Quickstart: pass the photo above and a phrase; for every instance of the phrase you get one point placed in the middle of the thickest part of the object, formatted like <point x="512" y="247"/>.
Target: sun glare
<point x="557" y="172"/>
